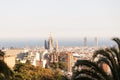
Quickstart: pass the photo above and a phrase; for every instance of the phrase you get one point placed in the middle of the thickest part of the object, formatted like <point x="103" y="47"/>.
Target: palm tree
<point x="94" y="70"/>
<point x="5" y="72"/>
<point x="88" y="70"/>
<point x="111" y="57"/>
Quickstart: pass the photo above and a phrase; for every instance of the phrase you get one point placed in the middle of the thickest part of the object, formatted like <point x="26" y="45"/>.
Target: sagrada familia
<point x="49" y="45"/>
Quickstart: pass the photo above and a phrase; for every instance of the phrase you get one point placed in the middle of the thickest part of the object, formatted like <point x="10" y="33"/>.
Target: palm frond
<point x="92" y="73"/>
<point x="117" y="40"/>
<point x="93" y="66"/>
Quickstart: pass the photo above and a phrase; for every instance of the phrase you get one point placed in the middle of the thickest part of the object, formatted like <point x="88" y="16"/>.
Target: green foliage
<point x="2" y="76"/>
<point x="2" y="53"/>
<point x="30" y="72"/>
<point x="54" y="65"/>
<point x="18" y="76"/>
<point x="28" y="62"/>
<point x="58" y="75"/>
<point x="60" y="65"/>
<point x="57" y="67"/>
<point x="5" y="71"/>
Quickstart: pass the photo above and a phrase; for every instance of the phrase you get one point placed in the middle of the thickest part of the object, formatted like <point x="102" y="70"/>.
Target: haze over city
<point x="59" y="39"/>
<point x="64" y="18"/>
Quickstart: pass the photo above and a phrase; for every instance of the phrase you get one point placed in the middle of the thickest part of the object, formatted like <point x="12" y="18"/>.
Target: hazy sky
<point x="64" y="18"/>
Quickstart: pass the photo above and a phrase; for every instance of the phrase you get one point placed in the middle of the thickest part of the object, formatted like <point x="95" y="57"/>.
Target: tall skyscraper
<point x="96" y="42"/>
<point x="85" y="41"/>
<point x="46" y="44"/>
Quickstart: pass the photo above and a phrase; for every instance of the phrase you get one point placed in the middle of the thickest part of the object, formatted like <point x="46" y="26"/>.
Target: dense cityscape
<point x="50" y="57"/>
<point x="59" y="39"/>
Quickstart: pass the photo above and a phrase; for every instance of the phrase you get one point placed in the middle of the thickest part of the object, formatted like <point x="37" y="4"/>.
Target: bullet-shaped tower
<point x="96" y="42"/>
<point x="85" y="41"/>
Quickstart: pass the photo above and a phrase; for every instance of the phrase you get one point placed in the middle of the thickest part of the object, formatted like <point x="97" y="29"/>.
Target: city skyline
<point x="64" y="18"/>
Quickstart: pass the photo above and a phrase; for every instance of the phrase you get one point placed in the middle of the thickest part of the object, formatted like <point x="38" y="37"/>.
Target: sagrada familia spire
<point x="49" y="45"/>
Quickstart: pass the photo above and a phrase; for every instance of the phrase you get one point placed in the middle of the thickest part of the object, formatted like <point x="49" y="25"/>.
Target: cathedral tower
<point x="50" y="43"/>
<point x="56" y="47"/>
